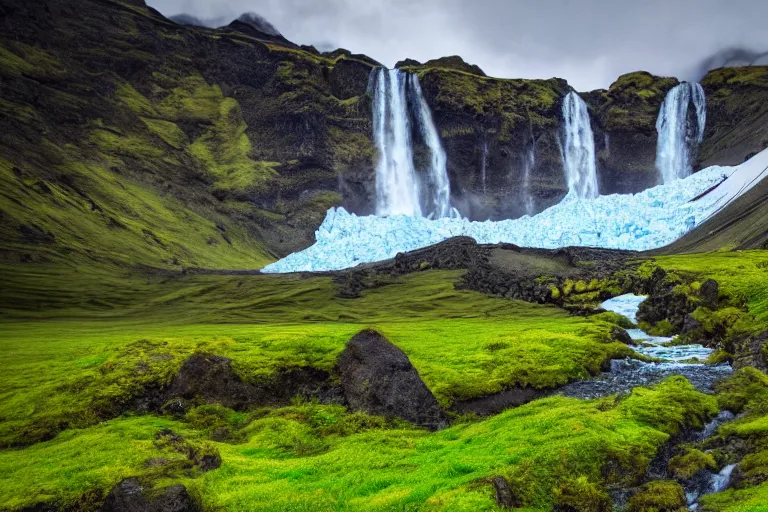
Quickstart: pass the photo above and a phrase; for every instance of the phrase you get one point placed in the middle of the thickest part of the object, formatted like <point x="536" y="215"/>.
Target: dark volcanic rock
<point x="505" y="498"/>
<point x="498" y="402"/>
<point x="709" y="292"/>
<point x="621" y="335"/>
<point x="130" y="496"/>
<point x="378" y="378"/>
<point x="212" y="379"/>
<point x="752" y="352"/>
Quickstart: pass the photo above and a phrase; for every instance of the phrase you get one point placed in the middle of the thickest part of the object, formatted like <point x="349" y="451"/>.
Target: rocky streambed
<point x="624" y="375"/>
<point x="688" y="361"/>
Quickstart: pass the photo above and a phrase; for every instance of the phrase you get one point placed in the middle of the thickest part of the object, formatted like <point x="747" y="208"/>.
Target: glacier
<point x="648" y="220"/>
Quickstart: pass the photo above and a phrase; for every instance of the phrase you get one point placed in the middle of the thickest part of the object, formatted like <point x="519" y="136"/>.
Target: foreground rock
<point x="378" y="378"/>
<point x="212" y="379"/>
<point x="130" y="496"/>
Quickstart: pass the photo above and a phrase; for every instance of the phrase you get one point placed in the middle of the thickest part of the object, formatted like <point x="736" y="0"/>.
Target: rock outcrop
<point x="131" y="496"/>
<point x="378" y="378"/>
<point x="211" y="379"/>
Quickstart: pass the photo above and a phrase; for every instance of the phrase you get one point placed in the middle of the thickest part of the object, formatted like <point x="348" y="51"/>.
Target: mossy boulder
<point x="582" y="495"/>
<point x="686" y="465"/>
<point x="659" y="496"/>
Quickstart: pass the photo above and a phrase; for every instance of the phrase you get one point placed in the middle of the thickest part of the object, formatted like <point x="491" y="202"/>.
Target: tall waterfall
<point x="578" y="151"/>
<point x="398" y="189"/>
<point x="677" y="136"/>
<point x="438" y="185"/>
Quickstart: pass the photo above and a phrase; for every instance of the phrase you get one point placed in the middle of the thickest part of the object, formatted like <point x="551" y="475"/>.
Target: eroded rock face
<point x="212" y="379"/>
<point x="378" y="378"/>
<point x="131" y="496"/>
<point x="752" y="351"/>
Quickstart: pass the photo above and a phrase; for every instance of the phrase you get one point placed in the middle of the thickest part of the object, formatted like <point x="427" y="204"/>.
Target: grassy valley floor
<point x="74" y="363"/>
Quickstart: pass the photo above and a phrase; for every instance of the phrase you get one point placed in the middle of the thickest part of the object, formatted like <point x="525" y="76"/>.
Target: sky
<point x="588" y="42"/>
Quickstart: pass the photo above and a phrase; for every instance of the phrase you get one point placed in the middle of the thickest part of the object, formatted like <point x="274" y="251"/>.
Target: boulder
<point x="131" y="496"/>
<point x="709" y="293"/>
<point x="378" y="378"/>
<point x="621" y="335"/>
<point x="505" y="498"/>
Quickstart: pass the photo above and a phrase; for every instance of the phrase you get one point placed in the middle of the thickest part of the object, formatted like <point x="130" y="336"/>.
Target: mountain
<point x="224" y="148"/>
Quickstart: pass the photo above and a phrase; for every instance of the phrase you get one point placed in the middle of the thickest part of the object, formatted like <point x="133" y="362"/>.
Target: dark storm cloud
<point x="587" y="42"/>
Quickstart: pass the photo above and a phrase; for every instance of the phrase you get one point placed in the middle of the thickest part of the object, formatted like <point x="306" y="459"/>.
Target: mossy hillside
<point x="265" y="323"/>
<point x="308" y="456"/>
<point x="185" y="112"/>
<point x="515" y="103"/>
<point x="736" y="99"/>
<point x="633" y="101"/>
<point x="87" y="213"/>
<point x="741" y="275"/>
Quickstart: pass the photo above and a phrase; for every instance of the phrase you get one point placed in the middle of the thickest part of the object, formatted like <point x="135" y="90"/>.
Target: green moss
<point x="308" y="456"/>
<point x="168" y="131"/>
<point x="126" y="145"/>
<point x="18" y="59"/>
<point x="659" y="496"/>
<point x="662" y="328"/>
<point x="746" y="385"/>
<point x="135" y="101"/>
<point x="632" y="102"/>
<point x="741" y="279"/>
<point x="615" y="319"/>
<point x="688" y="464"/>
<point x="582" y="495"/>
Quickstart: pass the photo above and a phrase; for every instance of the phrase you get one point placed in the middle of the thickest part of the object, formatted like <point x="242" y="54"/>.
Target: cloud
<point x="588" y="42"/>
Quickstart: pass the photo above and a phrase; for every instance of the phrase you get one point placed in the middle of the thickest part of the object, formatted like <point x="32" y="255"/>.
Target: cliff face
<point x="224" y="148"/>
<point x="737" y="115"/>
<point x="250" y="140"/>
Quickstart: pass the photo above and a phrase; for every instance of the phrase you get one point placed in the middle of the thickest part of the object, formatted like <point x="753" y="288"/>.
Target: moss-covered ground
<point x="73" y="363"/>
<point x="80" y="343"/>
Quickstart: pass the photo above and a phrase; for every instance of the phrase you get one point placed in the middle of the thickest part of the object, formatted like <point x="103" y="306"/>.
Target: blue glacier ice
<point x="648" y="220"/>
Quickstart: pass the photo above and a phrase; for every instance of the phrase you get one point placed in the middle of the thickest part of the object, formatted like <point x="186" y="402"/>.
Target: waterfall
<point x="439" y="186"/>
<point x="484" y="165"/>
<point x="529" y="160"/>
<point x="578" y="152"/>
<point x="677" y="136"/>
<point x="398" y="190"/>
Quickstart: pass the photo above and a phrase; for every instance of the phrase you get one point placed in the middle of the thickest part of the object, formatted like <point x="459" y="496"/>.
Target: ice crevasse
<point x="648" y="220"/>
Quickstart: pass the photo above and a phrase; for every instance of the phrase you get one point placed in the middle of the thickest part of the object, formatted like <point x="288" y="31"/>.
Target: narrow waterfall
<point x="484" y="166"/>
<point x="529" y="160"/>
<point x="578" y="151"/>
<point x="438" y="185"/>
<point x="397" y="189"/>
<point x="677" y="134"/>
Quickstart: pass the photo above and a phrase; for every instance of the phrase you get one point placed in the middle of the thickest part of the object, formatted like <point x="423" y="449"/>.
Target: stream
<point x="624" y="375"/>
<point x="686" y="360"/>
